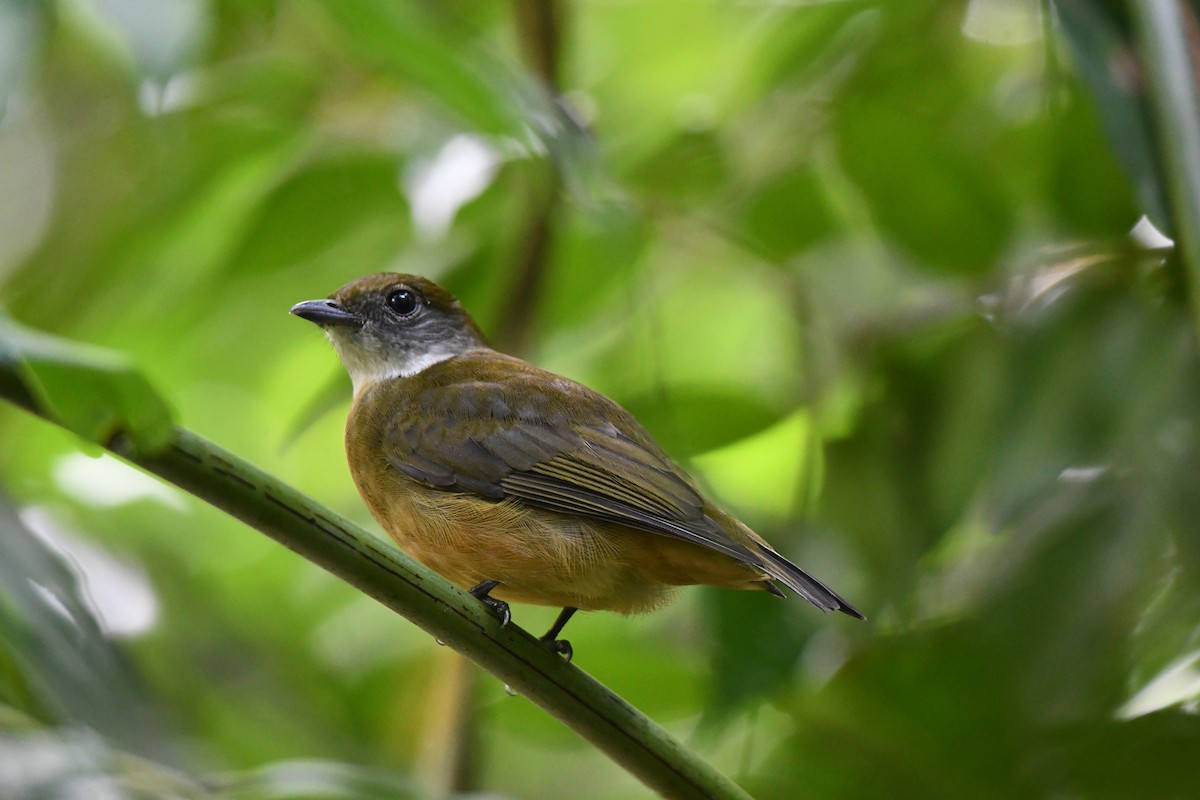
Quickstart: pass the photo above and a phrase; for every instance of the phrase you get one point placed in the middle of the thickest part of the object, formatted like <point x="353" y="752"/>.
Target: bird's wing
<point x="521" y="438"/>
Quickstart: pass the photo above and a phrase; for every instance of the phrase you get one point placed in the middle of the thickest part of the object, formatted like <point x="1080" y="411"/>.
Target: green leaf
<point x="347" y="201"/>
<point x="688" y="421"/>
<point x="928" y="190"/>
<point x="1150" y="756"/>
<point x="603" y="246"/>
<point x="60" y="667"/>
<point x="333" y="392"/>
<point x="419" y="43"/>
<point x="690" y="168"/>
<point x="1166" y="33"/>
<point x="162" y="39"/>
<point x="75" y="762"/>
<point x="757" y="640"/>
<point x="318" y="780"/>
<point x="1091" y="186"/>
<point x="788" y="214"/>
<point x="92" y="391"/>
<point x="1099" y="38"/>
<point x="22" y="23"/>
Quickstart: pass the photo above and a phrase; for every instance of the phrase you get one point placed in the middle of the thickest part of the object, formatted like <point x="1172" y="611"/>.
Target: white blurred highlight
<point x="118" y="592"/>
<point x="156" y="97"/>
<point x="163" y="36"/>
<point x="1179" y="682"/>
<point x="28" y="163"/>
<point x="1003" y="22"/>
<point x="1148" y="236"/>
<point x="107" y="482"/>
<point x="438" y="187"/>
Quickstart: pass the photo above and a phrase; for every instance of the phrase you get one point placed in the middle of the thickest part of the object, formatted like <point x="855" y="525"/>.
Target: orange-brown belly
<point x="542" y="557"/>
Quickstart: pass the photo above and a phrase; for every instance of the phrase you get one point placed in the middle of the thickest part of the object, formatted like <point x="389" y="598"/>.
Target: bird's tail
<point x="804" y="584"/>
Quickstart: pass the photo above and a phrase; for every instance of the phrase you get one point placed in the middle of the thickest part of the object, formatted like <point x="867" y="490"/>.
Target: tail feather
<point x="804" y="584"/>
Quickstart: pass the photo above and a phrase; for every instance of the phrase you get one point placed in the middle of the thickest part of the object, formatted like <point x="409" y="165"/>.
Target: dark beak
<point x="326" y="313"/>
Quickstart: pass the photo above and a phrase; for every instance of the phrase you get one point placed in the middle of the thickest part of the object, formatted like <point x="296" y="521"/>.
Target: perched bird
<point x="519" y="483"/>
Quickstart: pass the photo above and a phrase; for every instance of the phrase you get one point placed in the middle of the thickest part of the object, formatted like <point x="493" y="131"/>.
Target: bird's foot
<point x="497" y="607"/>
<point x="560" y="646"/>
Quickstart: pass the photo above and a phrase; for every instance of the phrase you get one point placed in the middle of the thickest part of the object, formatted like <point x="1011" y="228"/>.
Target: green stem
<point x="1163" y="31"/>
<point x="449" y="614"/>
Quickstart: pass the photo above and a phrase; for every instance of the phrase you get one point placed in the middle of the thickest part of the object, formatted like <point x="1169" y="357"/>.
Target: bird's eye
<point x="404" y="302"/>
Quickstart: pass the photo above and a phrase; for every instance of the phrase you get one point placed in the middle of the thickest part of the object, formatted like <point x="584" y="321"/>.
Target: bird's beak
<point x="326" y="313"/>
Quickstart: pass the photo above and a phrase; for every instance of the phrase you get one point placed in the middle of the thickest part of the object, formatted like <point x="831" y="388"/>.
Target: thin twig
<point x="540" y="26"/>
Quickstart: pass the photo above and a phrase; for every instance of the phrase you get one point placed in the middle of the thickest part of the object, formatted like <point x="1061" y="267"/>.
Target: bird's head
<point x="387" y="325"/>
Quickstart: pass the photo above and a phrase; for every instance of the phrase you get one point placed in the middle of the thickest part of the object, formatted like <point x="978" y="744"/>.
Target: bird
<point x="518" y="484"/>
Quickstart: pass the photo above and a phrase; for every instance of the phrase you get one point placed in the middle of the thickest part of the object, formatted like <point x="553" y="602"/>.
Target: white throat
<point x="367" y="365"/>
<point x="365" y="375"/>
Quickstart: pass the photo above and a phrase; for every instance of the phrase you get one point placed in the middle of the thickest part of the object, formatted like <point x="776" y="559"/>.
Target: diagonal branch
<point x="451" y="615"/>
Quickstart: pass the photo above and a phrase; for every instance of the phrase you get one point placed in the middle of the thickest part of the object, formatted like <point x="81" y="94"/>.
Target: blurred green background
<point x="886" y="276"/>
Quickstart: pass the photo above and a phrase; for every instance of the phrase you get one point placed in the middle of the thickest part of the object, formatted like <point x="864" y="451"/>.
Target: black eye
<point x="404" y="302"/>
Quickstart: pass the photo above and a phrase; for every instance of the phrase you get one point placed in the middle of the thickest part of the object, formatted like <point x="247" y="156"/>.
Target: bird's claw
<point x="498" y="607"/>
<point x="562" y="647"/>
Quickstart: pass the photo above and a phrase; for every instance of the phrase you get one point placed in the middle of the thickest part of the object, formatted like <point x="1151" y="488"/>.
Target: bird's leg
<point x="497" y="607"/>
<point x="551" y="636"/>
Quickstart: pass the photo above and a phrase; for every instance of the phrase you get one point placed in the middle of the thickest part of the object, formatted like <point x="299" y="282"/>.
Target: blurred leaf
<point x="317" y="780"/>
<point x="41" y="764"/>
<point x="1095" y="379"/>
<point x="688" y="421"/>
<point x="947" y="211"/>
<point x="1170" y="50"/>
<point x="1100" y="39"/>
<point x="901" y="479"/>
<point x="425" y="45"/>
<point x="61" y="667"/>
<point x="758" y="640"/>
<point x="805" y="44"/>
<point x="76" y="763"/>
<point x="21" y="26"/>
<point x="334" y="392"/>
<point x="1114" y="759"/>
<point x="1084" y="477"/>
<point x="789" y="214"/>
<point x="924" y="738"/>
<point x="421" y="43"/>
<point x="1091" y="185"/>
<point x="922" y="152"/>
<point x="999" y="669"/>
<point x="320" y="207"/>
<point x="690" y="168"/>
<point x="161" y="38"/>
<point x="602" y="244"/>
<point x="92" y="391"/>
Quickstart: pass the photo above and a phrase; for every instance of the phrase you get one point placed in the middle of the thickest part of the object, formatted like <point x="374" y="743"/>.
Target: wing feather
<point x="516" y="435"/>
<point x="554" y="496"/>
